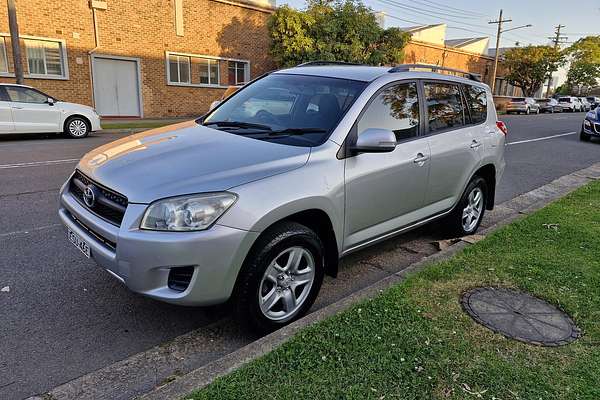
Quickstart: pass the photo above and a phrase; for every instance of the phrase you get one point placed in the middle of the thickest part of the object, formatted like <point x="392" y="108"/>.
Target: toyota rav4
<point x="257" y="200"/>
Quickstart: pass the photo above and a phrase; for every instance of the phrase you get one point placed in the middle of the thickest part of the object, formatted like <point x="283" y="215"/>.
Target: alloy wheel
<point x="472" y="212"/>
<point x="77" y="128"/>
<point x="286" y="283"/>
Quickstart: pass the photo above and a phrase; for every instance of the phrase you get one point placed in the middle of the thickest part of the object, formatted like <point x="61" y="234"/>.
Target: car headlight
<point x="187" y="213"/>
<point x="587" y="124"/>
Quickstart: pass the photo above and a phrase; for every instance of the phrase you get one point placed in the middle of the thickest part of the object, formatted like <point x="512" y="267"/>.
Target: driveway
<point x="63" y="317"/>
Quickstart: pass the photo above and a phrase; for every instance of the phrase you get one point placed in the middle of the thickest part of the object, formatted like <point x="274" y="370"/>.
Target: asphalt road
<point x="63" y="317"/>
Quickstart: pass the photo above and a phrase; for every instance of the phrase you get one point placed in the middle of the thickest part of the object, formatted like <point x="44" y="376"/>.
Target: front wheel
<point x="281" y="277"/>
<point x="584" y="137"/>
<point x="528" y="111"/>
<point x="466" y="217"/>
<point x="77" y="127"/>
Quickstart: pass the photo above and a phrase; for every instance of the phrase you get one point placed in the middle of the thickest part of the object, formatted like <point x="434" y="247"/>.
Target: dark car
<point x="549" y="106"/>
<point x="594" y="101"/>
<point x="591" y="125"/>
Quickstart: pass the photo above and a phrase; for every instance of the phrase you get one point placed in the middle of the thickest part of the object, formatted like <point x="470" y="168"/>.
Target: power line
<point x="456" y="9"/>
<point x="443" y="11"/>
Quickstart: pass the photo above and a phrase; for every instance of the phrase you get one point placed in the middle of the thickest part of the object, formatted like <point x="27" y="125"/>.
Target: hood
<point x="73" y="107"/>
<point x="186" y="158"/>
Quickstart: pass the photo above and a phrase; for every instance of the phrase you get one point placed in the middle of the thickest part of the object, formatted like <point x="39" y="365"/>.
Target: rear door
<point x="386" y="191"/>
<point x="31" y="111"/>
<point x="6" y="122"/>
<point x="455" y="144"/>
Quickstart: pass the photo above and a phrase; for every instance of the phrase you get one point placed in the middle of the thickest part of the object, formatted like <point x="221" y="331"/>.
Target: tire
<point x="456" y="223"/>
<point x="77" y="127"/>
<point x="584" y="137"/>
<point x="537" y="111"/>
<point x="528" y="111"/>
<point x="263" y="276"/>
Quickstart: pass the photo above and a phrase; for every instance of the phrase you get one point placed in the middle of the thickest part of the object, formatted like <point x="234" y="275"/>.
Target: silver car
<point x="258" y="200"/>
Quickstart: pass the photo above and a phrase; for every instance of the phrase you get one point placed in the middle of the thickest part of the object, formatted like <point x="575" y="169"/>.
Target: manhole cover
<point x="520" y="316"/>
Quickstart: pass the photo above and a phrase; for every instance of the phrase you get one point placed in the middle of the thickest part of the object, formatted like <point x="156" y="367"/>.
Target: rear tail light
<point x="502" y="126"/>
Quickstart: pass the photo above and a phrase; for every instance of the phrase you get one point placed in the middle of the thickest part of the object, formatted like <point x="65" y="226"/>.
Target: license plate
<point x="79" y="243"/>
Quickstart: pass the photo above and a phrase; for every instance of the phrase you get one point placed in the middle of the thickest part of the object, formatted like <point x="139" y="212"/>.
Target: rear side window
<point x="477" y="102"/>
<point x="565" y="99"/>
<point x="444" y="106"/>
<point x="396" y="109"/>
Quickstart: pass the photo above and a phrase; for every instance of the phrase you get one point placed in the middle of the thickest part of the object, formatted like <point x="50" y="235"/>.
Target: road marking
<point x="38" y="163"/>
<point x="542" y="138"/>
<point x="28" y="231"/>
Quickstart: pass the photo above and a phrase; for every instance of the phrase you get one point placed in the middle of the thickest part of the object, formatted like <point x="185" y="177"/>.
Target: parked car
<point x="259" y="198"/>
<point x="570" y="103"/>
<point x="24" y="109"/>
<point x="594" y="101"/>
<point x="591" y="125"/>
<point x="585" y="104"/>
<point x="522" y="105"/>
<point x="549" y="106"/>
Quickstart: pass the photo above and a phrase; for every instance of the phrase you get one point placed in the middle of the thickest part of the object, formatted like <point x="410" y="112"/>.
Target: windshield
<point x="299" y="110"/>
<point x="565" y="99"/>
<point x="591" y="98"/>
<point x="515" y="99"/>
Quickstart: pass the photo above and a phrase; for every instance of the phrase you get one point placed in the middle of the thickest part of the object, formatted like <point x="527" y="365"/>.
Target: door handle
<point x="420" y="159"/>
<point x="475" y="144"/>
<point x="17" y="108"/>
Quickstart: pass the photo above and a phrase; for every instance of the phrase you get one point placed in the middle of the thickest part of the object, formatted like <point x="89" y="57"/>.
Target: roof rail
<point x="435" y="68"/>
<point x="323" y="62"/>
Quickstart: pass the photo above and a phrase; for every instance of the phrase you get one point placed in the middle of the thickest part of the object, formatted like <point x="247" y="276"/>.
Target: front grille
<point x="109" y="205"/>
<point x="110" y="244"/>
<point x="180" y="278"/>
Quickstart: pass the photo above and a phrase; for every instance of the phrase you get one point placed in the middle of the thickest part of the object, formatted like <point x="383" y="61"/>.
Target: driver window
<point x="25" y="95"/>
<point x="396" y="109"/>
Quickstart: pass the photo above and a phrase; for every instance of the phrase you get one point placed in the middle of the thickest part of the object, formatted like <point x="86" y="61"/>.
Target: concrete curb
<point x="519" y="206"/>
<point x="111" y="381"/>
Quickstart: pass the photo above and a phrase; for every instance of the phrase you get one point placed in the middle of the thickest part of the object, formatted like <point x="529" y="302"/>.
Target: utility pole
<point x="500" y="21"/>
<point x="14" y="40"/>
<point x="557" y="39"/>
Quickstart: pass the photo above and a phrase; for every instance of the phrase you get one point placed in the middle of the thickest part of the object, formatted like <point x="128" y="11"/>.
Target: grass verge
<point x="414" y="342"/>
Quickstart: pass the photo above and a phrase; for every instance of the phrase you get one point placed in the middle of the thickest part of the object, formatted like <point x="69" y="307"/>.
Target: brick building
<point x="146" y="58"/>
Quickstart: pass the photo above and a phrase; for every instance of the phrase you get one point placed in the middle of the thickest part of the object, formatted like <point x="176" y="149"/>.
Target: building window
<point x="45" y="57"/>
<point x="237" y="72"/>
<point x="3" y="59"/>
<point x="179" y="69"/>
<point x="209" y="71"/>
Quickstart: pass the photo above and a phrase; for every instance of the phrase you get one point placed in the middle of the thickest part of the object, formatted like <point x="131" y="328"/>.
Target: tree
<point x="528" y="67"/>
<point x="584" y="71"/>
<point x="339" y="30"/>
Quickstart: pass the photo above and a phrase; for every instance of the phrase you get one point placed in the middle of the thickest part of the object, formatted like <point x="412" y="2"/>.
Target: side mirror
<point x="50" y="101"/>
<point x="214" y="104"/>
<point x="375" y="140"/>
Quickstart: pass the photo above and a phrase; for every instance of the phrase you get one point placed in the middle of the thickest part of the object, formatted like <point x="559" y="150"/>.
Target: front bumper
<point x="142" y="259"/>
<point x="594" y="128"/>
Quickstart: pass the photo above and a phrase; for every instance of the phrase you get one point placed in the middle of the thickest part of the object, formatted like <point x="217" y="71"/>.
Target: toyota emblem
<point x="89" y="196"/>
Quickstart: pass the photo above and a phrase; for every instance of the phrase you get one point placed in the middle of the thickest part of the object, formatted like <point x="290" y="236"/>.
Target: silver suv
<point x="257" y="200"/>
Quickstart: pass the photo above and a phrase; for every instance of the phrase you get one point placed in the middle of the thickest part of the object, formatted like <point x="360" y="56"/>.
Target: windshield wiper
<point x="296" y="131"/>
<point x="239" y="124"/>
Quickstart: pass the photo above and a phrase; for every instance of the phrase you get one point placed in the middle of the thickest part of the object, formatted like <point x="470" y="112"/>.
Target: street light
<point x="500" y="21"/>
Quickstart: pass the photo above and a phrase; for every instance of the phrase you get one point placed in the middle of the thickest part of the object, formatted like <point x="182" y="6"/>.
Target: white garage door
<point x="116" y="91"/>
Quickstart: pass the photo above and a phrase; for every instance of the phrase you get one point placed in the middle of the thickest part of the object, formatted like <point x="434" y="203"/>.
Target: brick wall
<point x="143" y="29"/>
<point x="420" y="52"/>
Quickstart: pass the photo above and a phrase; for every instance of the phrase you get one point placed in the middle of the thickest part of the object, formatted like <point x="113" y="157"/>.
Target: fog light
<point x="180" y="278"/>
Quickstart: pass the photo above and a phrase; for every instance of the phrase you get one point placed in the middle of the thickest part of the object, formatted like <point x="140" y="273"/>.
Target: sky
<point x="469" y="18"/>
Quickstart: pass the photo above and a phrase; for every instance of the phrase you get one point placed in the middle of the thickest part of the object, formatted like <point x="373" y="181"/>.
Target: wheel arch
<point x="70" y="117"/>
<point x="488" y="173"/>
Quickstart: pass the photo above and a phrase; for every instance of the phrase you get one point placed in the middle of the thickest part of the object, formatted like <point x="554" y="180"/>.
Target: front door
<point x="385" y="191"/>
<point x="31" y="112"/>
<point x="116" y="87"/>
